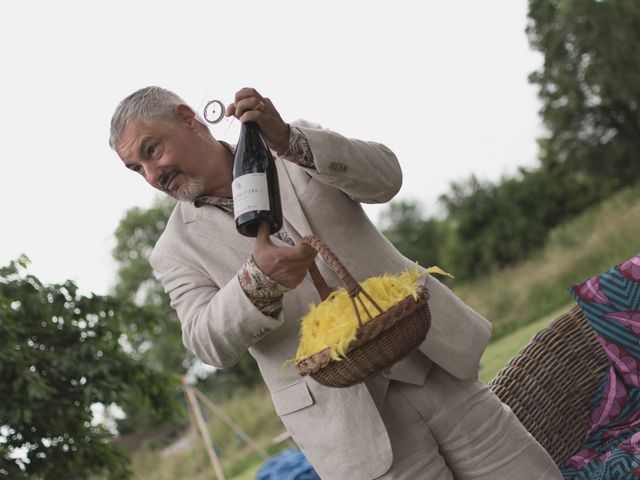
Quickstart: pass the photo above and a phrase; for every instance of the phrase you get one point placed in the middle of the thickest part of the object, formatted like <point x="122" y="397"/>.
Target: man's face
<point x="174" y="158"/>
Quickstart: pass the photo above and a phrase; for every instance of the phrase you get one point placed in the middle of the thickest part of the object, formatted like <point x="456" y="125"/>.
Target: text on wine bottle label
<point x="250" y="193"/>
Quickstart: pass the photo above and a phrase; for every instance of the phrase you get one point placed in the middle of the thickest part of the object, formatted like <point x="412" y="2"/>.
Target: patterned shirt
<point x="299" y="151"/>
<point x="264" y="292"/>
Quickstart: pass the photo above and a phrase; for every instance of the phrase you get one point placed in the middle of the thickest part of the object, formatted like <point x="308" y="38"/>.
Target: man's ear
<point x="186" y="116"/>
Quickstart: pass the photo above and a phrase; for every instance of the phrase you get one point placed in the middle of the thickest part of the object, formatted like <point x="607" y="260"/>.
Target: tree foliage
<point x="494" y="225"/>
<point x="487" y="225"/>
<point x="589" y="88"/>
<point x="416" y="237"/>
<point x="61" y="353"/>
<point x="136" y="235"/>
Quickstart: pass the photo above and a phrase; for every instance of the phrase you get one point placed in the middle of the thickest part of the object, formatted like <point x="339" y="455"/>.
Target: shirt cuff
<point x="264" y="292"/>
<point x="299" y="151"/>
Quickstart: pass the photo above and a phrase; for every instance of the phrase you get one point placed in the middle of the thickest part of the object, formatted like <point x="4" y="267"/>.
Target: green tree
<point x="136" y="235"/>
<point x="589" y="89"/>
<point x="60" y="353"/>
<point x="498" y="224"/>
<point x="417" y="238"/>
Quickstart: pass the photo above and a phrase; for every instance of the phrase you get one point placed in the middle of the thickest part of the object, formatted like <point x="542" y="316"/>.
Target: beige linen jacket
<point x="197" y="259"/>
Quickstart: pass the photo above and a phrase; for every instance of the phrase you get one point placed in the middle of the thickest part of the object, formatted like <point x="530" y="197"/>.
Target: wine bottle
<point x="256" y="194"/>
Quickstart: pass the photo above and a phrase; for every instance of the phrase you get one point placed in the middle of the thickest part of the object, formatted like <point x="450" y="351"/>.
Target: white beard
<point x="192" y="191"/>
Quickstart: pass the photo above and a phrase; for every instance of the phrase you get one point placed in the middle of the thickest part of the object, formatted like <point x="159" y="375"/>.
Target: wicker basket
<point x="551" y="383"/>
<point x="386" y="338"/>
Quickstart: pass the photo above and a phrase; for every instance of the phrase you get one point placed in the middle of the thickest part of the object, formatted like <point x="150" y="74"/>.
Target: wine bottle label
<point x="250" y="193"/>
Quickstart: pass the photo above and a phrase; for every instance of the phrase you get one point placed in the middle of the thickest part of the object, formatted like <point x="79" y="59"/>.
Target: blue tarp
<point x="287" y="465"/>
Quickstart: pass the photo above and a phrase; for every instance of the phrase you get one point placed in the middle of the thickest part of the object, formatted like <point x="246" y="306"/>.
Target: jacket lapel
<point x="213" y="223"/>
<point x="291" y="209"/>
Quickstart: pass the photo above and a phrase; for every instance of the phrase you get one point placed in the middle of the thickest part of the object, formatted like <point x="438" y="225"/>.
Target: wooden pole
<point x="216" y="411"/>
<point x="195" y="407"/>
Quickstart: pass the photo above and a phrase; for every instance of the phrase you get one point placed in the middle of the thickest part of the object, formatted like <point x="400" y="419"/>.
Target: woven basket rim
<point x="315" y="362"/>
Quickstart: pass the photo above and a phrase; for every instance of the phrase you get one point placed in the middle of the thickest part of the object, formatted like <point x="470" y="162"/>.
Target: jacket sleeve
<point x="367" y="172"/>
<point x="218" y="323"/>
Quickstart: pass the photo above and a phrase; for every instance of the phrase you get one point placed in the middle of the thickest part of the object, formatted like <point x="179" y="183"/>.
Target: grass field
<point x="519" y="301"/>
<point x="252" y="412"/>
<point x="601" y="237"/>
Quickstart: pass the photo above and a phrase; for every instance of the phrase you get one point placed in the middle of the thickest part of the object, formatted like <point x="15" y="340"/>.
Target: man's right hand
<point x="286" y="265"/>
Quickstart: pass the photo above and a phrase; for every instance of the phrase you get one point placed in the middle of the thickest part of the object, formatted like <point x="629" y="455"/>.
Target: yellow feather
<point x="333" y="323"/>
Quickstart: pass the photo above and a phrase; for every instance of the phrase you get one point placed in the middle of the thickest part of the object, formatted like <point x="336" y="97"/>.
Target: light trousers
<point x="451" y="429"/>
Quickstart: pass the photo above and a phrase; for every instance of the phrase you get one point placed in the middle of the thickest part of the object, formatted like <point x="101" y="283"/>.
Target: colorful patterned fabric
<point x="264" y="292"/>
<point x="299" y="151"/>
<point x="611" y="304"/>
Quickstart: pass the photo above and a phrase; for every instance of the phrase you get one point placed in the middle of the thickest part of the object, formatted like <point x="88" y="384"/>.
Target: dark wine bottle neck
<point x="251" y="136"/>
<point x="252" y="153"/>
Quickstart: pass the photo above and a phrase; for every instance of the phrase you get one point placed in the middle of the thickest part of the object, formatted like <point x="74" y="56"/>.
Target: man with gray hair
<point x="427" y="417"/>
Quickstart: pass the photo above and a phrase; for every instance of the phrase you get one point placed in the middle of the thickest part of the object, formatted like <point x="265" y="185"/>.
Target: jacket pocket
<point x="291" y="398"/>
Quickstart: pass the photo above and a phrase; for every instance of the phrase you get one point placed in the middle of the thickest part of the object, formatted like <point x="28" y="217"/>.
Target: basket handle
<point x="353" y="288"/>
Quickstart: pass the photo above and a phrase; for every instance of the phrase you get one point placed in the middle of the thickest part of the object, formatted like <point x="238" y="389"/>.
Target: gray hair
<point x="150" y="104"/>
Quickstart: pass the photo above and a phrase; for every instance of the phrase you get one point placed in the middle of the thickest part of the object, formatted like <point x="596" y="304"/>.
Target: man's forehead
<point x="134" y="132"/>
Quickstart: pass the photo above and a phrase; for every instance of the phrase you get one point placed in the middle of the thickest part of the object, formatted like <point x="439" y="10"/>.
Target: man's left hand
<point x="250" y="106"/>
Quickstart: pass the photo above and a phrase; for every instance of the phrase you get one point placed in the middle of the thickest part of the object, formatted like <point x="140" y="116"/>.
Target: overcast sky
<point x="443" y="84"/>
